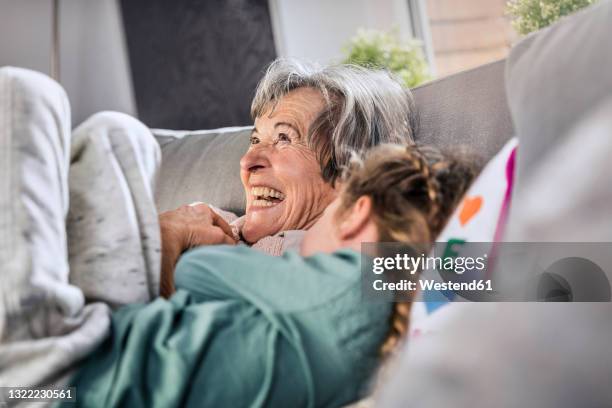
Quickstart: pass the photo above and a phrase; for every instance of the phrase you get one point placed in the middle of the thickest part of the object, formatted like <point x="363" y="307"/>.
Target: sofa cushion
<point x="555" y="76"/>
<point x="201" y="166"/>
<point x="478" y="222"/>
<point x="466" y="109"/>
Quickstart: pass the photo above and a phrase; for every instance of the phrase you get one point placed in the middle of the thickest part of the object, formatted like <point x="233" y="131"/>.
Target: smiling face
<point x="280" y="173"/>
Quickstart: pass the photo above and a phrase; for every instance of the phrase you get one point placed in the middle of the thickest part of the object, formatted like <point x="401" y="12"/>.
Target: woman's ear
<point x="356" y="218"/>
<point x="338" y="187"/>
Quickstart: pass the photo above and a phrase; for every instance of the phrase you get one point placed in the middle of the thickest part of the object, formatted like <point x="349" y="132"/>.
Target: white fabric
<point x="48" y="320"/>
<point x="112" y="224"/>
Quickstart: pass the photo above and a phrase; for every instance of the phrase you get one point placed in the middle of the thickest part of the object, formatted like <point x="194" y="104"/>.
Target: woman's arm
<point x="185" y="228"/>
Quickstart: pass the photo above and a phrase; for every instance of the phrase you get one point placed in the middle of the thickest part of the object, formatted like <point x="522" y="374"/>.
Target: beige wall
<point x="468" y="33"/>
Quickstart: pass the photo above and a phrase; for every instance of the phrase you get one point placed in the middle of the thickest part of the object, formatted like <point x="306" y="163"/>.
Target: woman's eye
<point x="283" y="137"/>
<point x="254" y="140"/>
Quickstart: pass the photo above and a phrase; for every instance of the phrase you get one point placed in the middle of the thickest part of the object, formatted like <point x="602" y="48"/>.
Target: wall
<point x="317" y="30"/>
<point x="94" y="65"/>
<point x="468" y="33"/>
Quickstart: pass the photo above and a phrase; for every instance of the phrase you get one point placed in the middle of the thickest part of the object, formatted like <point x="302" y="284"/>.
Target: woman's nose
<point x="254" y="159"/>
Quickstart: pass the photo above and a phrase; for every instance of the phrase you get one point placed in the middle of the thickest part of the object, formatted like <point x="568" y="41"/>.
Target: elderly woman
<point x="308" y="122"/>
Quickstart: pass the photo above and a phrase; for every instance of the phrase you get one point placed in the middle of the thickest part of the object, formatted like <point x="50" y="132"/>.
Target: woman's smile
<point x="265" y="197"/>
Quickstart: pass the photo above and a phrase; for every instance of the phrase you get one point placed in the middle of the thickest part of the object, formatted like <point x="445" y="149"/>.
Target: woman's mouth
<point x="266" y="197"/>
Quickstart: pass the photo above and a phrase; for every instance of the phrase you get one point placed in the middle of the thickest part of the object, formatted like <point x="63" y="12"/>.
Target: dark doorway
<point x="195" y="63"/>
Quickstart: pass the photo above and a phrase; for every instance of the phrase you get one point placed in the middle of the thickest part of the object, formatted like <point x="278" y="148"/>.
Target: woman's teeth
<point x="263" y="203"/>
<point x="266" y="192"/>
<point x="266" y="196"/>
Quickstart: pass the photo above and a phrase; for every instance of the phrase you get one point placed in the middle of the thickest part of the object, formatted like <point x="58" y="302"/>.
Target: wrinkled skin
<point x="187" y="227"/>
<point x="279" y="158"/>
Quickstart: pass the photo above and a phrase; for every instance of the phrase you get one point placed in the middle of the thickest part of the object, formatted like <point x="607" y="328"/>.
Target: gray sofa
<point x="467" y="109"/>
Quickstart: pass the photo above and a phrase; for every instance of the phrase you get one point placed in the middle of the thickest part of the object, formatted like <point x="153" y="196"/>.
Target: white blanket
<point x="78" y="227"/>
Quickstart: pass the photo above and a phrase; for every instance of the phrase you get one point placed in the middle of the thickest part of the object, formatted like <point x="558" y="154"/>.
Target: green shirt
<point x="243" y="329"/>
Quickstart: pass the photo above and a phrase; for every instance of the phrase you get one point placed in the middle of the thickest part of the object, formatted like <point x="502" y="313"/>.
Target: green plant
<point x="377" y="49"/>
<point x="532" y="15"/>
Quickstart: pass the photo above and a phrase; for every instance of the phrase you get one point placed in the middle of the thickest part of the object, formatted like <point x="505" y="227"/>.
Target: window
<point x="317" y="30"/>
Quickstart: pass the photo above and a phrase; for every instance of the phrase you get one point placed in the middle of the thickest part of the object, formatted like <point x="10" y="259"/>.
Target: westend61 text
<point x="406" y="285"/>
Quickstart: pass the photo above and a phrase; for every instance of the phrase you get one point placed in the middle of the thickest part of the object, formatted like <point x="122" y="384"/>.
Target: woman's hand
<point x="187" y="227"/>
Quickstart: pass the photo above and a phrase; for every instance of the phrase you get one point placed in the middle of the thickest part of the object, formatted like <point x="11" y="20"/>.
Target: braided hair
<point x="414" y="191"/>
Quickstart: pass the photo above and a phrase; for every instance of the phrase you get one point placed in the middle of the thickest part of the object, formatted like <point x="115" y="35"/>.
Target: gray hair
<point x="364" y="108"/>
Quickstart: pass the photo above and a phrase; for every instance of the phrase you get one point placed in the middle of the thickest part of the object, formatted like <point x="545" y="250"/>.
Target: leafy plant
<point x="378" y="49"/>
<point x="532" y="15"/>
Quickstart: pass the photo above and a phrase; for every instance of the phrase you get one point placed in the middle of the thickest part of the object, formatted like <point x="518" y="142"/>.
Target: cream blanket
<point x="78" y="227"/>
